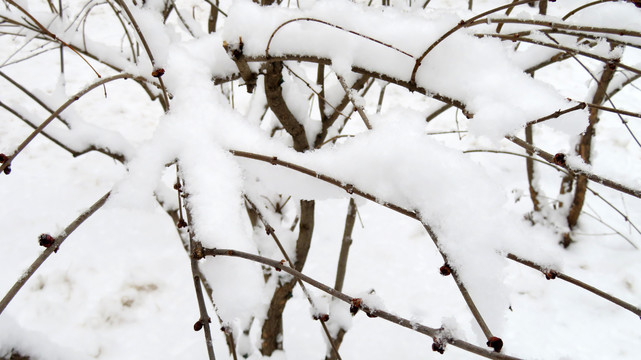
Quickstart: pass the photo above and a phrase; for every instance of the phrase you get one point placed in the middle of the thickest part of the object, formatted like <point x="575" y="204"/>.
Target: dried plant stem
<point x="55" y="114"/>
<point x="51" y="249"/>
<point x="432" y="332"/>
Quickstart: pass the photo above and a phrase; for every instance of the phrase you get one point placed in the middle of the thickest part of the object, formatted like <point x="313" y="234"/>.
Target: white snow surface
<point x="121" y="287"/>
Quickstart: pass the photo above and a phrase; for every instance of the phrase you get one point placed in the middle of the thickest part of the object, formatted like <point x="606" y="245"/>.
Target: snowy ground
<point x="121" y="287"/>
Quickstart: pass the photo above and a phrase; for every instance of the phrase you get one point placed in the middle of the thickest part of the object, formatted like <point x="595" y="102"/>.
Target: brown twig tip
<point x="495" y="343"/>
<point x="550" y="274"/>
<point x="356" y="304"/>
<point x="158" y="72"/>
<point x="438" y="345"/>
<point x="445" y="270"/>
<point x="321" y="317"/>
<point x="559" y="159"/>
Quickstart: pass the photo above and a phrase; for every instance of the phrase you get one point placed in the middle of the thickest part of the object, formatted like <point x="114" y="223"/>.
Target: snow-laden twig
<point x="51" y="248"/>
<point x="270" y="231"/>
<point x="55" y="114"/>
<point x="412" y="325"/>
<point x="456" y="28"/>
<point x="409" y="213"/>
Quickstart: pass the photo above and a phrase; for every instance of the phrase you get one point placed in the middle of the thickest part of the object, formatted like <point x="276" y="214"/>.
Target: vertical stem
<point x="529" y="165"/>
<point x="543" y="7"/>
<point x="584" y="149"/>
<point x="350" y="219"/>
<point x="62" y="59"/>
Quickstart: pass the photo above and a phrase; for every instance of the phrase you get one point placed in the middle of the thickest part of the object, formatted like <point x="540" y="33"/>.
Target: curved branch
<point x="352" y="190"/>
<point x="73" y="99"/>
<point x="334" y="26"/>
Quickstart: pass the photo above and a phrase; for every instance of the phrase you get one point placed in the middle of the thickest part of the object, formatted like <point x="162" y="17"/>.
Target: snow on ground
<point x="120" y="286"/>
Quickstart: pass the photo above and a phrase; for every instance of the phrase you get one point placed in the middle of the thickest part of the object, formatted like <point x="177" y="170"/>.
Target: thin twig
<point x="358" y="107"/>
<point x="353" y="190"/>
<point x="270" y="231"/>
<point x="147" y="49"/>
<point x="55" y="114"/>
<point x="51" y="249"/>
<point x="45" y="31"/>
<point x="456" y="28"/>
<point x="576" y="282"/>
<point x="432" y="332"/>
<point x="334" y="26"/>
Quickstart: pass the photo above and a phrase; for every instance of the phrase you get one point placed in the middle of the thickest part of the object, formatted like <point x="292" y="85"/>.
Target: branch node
<point x="197" y="252"/>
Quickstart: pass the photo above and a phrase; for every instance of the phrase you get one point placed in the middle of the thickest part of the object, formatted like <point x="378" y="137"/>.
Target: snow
<point x="121" y="285"/>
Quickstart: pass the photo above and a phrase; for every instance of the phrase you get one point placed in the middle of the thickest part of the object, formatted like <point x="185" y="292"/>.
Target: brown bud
<point x="445" y="269"/>
<point x="356" y="304"/>
<point x="46" y="240"/>
<point x="158" y="72"/>
<point x="495" y="343"/>
<point x="198" y="325"/>
<point x="438" y="345"/>
<point x="321" y="317"/>
<point x="181" y="223"/>
<point x="559" y="159"/>
<point x="550" y="274"/>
